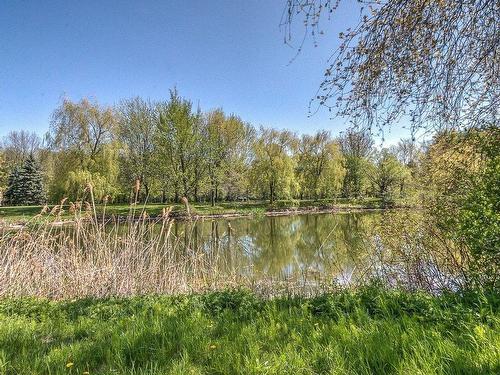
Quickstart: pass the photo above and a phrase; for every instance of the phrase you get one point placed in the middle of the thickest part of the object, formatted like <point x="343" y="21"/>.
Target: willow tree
<point x="319" y="165"/>
<point x="82" y="138"/>
<point x="225" y="149"/>
<point x="435" y="63"/>
<point x="356" y="147"/>
<point x="273" y="166"/>
<point x="387" y="175"/>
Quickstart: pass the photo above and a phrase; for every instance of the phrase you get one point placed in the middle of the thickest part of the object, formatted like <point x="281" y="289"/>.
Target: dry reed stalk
<point x="87" y="258"/>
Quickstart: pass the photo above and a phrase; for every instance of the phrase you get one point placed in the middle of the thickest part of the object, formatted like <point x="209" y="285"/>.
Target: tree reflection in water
<point x="308" y="247"/>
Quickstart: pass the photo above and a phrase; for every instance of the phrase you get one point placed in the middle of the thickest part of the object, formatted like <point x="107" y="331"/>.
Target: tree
<point x="409" y="154"/>
<point x="273" y="167"/>
<point x="434" y="62"/>
<point x="479" y="217"/>
<point x="319" y="165"/>
<point x="387" y="174"/>
<point x="356" y="146"/>
<point x="12" y="193"/>
<point x="84" y="128"/>
<point x="178" y="142"/>
<point x="25" y="185"/>
<point x="82" y="138"/>
<point x="225" y="150"/>
<point x="461" y="178"/>
<point x="18" y="145"/>
<point x="3" y="176"/>
<point x="217" y="151"/>
<point x="236" y="183"/>
<point x="136" y="131"/>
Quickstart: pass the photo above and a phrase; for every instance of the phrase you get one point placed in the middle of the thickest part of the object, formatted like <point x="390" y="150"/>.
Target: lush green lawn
<point x="368" y="332"/>
<point x="24" y="213"/>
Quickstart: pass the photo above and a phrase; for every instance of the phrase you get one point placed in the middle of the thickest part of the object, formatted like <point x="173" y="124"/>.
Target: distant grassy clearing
<point x="367" y="332"/>
<point x="24" y="213"/>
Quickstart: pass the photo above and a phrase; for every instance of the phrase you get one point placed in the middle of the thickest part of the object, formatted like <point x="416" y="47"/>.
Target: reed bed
<point x="85" y="258"/>
<point x="97" y="256"/>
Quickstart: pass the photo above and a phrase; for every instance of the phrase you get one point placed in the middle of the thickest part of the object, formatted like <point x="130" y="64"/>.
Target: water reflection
<point x="302" y="246"/>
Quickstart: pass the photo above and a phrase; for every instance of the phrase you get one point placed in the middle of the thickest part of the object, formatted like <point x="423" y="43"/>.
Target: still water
<point x="331" y="246"/>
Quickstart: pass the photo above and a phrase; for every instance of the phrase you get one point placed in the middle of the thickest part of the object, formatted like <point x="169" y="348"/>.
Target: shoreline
<point x="182" y="216"/>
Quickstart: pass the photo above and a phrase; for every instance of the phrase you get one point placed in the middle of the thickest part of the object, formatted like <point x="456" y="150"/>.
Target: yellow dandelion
<point x="69" y="364"/>
<point x="213" y="346"/>
<point x="86" y="373"/>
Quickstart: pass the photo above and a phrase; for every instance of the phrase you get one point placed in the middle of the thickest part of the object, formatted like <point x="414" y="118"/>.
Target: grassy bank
<point x="371" y="331"/>
<point x="25" y="213"/>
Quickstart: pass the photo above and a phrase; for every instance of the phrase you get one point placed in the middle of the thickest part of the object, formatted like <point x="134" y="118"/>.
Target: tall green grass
<point x="370" y="331"/>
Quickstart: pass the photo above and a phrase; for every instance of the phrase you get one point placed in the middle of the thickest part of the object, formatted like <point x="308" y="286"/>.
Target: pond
<point x="307" y="252"/>
<point x="307" y="246"/>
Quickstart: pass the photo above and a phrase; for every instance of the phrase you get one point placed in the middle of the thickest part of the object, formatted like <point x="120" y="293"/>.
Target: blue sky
<point x="218" y="53"/>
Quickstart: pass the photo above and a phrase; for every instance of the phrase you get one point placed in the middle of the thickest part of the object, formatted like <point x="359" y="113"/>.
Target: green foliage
<point x="387" y="175"/>
<point x="174" y="151"/>
<point x="461" y="175"/>
<point x="12" y="193"/>
<point x="273" y="167"/>
<point x="82" y="139"/>
<point x="178" y="144"/>
<point x="371" y="331"/>
<point x="226" y="151"/>
<point x="356" y="176"/>
<point x="78" y="182"/>
<point x="3" y="176"/>
<point x="319" y="166"/>
<point x="25" y="185"/>
<point x="137" y="125"/>
<point x="356" y="146"/>
<point x="479" y="219"/>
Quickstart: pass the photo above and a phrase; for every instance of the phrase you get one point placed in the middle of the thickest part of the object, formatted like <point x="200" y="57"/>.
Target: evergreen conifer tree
<point x="12" y="193"/>
<point x="25" y="185"/>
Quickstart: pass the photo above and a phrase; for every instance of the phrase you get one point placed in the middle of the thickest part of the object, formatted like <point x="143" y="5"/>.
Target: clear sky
<point x="218" y="53"/>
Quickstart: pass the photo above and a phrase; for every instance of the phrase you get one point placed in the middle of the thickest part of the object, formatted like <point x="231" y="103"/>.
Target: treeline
<point x="162" y="151"/>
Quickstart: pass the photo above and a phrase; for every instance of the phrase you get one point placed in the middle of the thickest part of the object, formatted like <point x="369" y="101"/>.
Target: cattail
<point x="166" y="212"/>
<point x="185" y="201"/>
<point x="137" y="187"/>
<point x="54" y="210"/>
